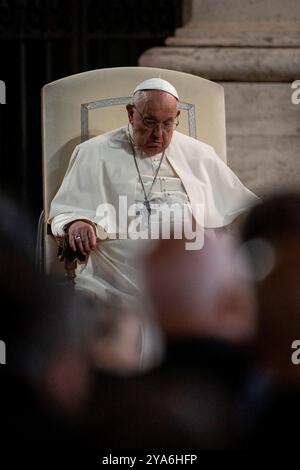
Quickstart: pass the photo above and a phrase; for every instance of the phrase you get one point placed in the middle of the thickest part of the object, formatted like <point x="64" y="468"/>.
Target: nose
<point x="158" y="131"/>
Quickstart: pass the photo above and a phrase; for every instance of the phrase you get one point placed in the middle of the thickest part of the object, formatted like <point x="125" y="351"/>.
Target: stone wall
<point x="251" y="47"/>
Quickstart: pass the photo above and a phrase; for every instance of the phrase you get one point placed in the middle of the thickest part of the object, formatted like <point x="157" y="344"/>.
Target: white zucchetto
<point x="157" y="84"/>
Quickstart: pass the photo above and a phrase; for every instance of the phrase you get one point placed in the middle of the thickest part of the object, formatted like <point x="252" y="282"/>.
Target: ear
<point x="178" y="112"/>
<point x="129" y="108"/>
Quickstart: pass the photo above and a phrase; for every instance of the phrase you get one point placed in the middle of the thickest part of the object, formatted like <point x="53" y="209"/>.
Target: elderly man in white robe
<point x="147" y="166"/>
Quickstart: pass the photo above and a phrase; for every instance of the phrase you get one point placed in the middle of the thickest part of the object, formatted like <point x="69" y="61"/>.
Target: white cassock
<point x="102" y="169"/>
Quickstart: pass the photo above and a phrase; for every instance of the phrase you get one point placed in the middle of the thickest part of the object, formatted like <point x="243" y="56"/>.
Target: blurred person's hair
<point x="276" y="218"/>
<point x="271" y="236"/>
<point x="16" y="230"/>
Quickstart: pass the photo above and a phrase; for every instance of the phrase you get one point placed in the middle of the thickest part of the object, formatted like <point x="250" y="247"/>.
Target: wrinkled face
<point x="159" y="109"/>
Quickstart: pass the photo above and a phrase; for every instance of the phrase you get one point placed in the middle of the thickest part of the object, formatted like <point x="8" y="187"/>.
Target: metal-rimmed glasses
<point x="168" y="125"/>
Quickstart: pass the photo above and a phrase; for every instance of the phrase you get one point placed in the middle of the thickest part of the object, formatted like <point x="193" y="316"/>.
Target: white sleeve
<point x="79" y="194"/>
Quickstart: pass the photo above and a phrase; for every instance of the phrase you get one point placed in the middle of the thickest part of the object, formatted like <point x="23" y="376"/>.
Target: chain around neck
<point x="146" y="195"/>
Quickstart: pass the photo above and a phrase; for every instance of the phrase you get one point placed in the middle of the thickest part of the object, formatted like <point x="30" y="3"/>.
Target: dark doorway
<point x="44" y="40"/>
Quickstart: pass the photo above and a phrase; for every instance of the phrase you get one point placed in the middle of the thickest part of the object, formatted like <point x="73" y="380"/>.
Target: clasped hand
<point x="82" y="237"/>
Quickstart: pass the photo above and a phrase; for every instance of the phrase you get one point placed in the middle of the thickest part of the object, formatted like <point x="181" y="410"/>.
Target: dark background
<point x="44" y="40"/>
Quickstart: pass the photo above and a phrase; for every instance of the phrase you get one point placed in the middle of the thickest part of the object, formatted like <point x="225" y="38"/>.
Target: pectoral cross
<point x="145" y="213"/>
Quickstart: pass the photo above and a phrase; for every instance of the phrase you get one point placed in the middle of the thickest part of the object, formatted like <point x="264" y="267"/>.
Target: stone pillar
<point x="251" y="47"/>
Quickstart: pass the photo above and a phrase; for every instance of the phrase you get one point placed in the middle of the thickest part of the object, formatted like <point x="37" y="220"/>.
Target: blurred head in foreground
<point x="271" y="237"/>
<point x="200" y="293"/>
<point x="46" y="328"/>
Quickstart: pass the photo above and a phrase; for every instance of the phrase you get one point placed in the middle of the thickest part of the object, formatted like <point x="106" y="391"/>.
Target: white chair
<point x="81" y="106"/>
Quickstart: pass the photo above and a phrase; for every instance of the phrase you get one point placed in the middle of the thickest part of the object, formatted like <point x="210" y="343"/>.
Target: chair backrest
<point x="78" y="107"/>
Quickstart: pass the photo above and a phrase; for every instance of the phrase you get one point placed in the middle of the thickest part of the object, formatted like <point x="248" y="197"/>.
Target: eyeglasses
<point x="152" y="124"/>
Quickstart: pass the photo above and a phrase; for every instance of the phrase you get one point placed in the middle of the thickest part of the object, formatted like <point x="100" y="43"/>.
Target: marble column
<point x="251" y="47"/>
